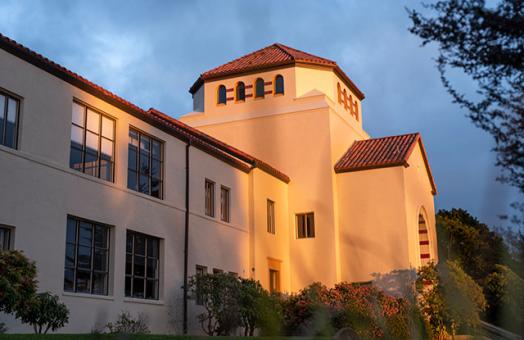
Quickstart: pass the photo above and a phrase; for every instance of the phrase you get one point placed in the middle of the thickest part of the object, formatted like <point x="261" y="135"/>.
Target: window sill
<point x="144" y="301"/>
<point x="89" y="296"/>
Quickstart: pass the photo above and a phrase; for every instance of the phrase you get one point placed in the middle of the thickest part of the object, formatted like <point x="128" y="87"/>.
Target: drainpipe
<point x="186" y="242"/>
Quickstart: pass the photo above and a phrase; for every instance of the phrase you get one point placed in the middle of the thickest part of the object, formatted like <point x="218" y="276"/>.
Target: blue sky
<point x="151" y="52"/>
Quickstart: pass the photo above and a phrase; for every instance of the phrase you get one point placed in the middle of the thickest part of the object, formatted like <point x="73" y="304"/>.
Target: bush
<point x="17" y="281"/>
<point x="258" y="309"/>
<point x="3" y="328"/>
<point x="45" y="312"/>
<point x="126" y="324"/>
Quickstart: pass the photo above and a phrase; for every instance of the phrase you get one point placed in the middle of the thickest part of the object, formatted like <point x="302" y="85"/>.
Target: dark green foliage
<point x="17" y="281"/>
<point x="486" y="43"/>
<point x="44" y="312"/>
<point x="126" y="324"/>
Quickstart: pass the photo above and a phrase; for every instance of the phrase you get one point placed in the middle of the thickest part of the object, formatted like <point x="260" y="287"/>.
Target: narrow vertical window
<point x="279" y="84"/>
<point x="145" y="160"/>
<point x="5" y="238"/>
<point x="92" y="142"/>
<point x="210" y="198"/>
<point x="200" y="271"/>
<point x="86" y="257"/>
<point x="259" y="88"/>
<point x="305" y="225"/>
<point x="424" y="248"/>
<point x="240" y="92"/>
<point x="224" y="204"/>
<point x="271" y="217"/>
<point x="142" y="266"/>
<point x="274" y="281"/>
<point x="221" y="95"/>
<point x="9" y="109"/>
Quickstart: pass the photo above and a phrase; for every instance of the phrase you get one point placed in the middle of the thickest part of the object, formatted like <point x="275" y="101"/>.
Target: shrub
<point x="17" y="281"/>
<point x="3" y="328"/>
<point x="126" y="324"/>
<point x="45" y="312"/>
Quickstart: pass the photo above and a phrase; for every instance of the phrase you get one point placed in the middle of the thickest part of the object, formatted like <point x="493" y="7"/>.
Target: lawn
<point x="135" y="337"/>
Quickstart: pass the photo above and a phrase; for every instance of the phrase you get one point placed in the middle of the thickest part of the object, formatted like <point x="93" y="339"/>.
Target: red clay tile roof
<point x="161" y="121"/>
<point x="381" y="153"/>
<point x="269" y="57"/>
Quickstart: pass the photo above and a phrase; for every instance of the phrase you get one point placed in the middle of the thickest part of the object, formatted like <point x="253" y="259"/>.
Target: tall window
<point x="210" y="198"/>
<point x="425" y="255"/>
<point x="279" y="84"/>
<point x="259" y="88"/>
<point x="221" y="95"/>
<point x="142" y="266"/>
<point x="92" y="142"/>
<point x="305" y="225"/>
<point x="274" y="281"/>
<point x="144" y="172"/>
<point x="5" y="238"/>
<point x="200" y="271"/>
<point x="9" y="108"/>
<point x="270" y="216"/>
<point x="86" y="257"/>
<point x="224" y="204"/>
<point x="240" y="91"/>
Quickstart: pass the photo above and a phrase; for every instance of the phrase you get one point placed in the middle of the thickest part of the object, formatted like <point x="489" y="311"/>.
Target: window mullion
<point x="92" y="257"/>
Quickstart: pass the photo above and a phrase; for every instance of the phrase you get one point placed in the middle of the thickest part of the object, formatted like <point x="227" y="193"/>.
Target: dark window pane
<point x="145" y="144"/>
<point x="100" y="236"/>
<point x="241" y="91"/>
<point x="139" y="266"/>
<point x="128" y="286"/>
<point x="156" y="168"/>
<point x="129" y="243"/>
<point x="259" y="91"/>
<point x="70" y="255"/>
<point x="69" y="279"/>
<point x="85" y="234"/>
<point x="156" y="187"/>
<point x="99" y="283"/>
<point x="138" y="288"/>
<point x="106" y="168"/>
<point x="129" y="264"/>
<point x="279" y="84"/>
<point x="144" y="184"/>
<point x="91" y="164"/>
<point x="75" y="158"/>
<point x="140" y="244"/>
<point x="84" y="257"/>
<point x="144" y="163"/>
<point x="11" y="122"/>
<point x="152" y="247"/>
<point x="132" y="157"/>
<point x="156" y="149"/>
<point x="100" y="260"/>
<point x="151" y="268"/>
<point x="222" y="97"/>
<point x="151" y="289"/>
<point x="2" y="117"/>
<point x="132" y="180"/>
<point x="83" y="281"/>
<point x="133" y="137"/>
<point x="71" y="230"/>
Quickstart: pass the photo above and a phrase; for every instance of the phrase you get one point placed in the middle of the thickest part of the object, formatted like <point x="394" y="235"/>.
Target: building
<point x="271" y="177"/>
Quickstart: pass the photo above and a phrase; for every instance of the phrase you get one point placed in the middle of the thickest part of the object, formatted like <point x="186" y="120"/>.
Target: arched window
<point x="423" y="239"/>
<point x="221" y="95"/>
<point x="279" y="84"/>
<point x="259" y="88"/>
<point x="240" y="92"/>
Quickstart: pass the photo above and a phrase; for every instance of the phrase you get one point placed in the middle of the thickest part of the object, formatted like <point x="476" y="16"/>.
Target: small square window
<point x="305" y="225"/>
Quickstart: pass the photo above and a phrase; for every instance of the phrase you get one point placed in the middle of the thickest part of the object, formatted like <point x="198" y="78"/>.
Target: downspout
<point x="186" y="242"/>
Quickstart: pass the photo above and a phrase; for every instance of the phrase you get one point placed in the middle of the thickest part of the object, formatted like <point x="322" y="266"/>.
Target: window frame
<point x="93" y="248"/>
<point x="209" y="210"/>
<point x="18" y="99"/>
<point x="146" y="257"/>
<point x="275" y="85"/>
<point x="257" y="82"/>
<point x="308" y="231"/>
<point x="85" y="130"/>
<point x="276" y="288"/>
<point x="151" y="158"/>
<point x="219" y="87"/>
<point x="7" y="243"/>
<point x="225" y="203"/>
<point x="238" y="94"/>
<point x="270" y="216"/>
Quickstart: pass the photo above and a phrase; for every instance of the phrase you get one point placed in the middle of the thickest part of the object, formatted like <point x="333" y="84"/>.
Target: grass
<point x="138" y="337"/>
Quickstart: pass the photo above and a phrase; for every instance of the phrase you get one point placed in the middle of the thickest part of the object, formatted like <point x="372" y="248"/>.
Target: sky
<point x="151" y="52"/>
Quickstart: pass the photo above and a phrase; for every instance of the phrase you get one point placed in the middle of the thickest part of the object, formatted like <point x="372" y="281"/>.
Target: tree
<point x="17" y="281"/>
<point x="487" y="44"/>
<point x="44" y="312"/>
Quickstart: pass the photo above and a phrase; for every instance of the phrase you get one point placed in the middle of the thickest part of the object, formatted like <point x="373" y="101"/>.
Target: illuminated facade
<point x="271" y="177"/>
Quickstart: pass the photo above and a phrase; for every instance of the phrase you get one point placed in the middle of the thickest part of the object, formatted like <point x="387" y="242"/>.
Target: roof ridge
<point x="391" y="136"/>
<point x="286" y="49"/>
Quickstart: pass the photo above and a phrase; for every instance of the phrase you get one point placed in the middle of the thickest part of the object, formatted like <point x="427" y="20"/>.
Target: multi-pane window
<point x="200" y="271"/>
<point x="270" y="217"/>
<point x="142" y="266"/>
<point x="86" y="257"/>
<point x="92" y="142"/>
<point x="210" y="198"/>
<point x="5" y="238"/>
<point x="224" y="204"/>
<point x="274" y="281"/>
<point x="259" y="88"/>
<point x="305" y="225"/>
<point x="144" y="172"/>
<point x="9" y="109"/>
<point x="221" y="95"/>
<point x="279" y="84"/>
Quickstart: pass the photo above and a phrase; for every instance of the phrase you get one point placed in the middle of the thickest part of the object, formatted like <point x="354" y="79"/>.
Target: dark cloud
<point x="150" y="52"/>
